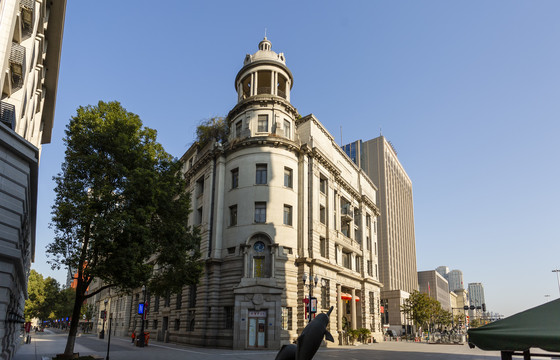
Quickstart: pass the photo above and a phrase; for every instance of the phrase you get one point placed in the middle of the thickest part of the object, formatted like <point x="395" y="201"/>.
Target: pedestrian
<point x="133" y="337"/>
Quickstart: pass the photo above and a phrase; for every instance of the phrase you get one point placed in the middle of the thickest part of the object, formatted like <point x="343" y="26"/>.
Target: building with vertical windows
<point x="476" y="294"/>
<point x="28" y="81"/>
<point x="432" y="283"/>
<point x="284" y="215"/>
<point x="397" y="244"/>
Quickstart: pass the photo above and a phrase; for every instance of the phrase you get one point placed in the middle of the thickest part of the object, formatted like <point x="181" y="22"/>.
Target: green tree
<point x="418" y="308"/>
<point x="36" y="297"/>
<point x="121" y="209"/>
<point x="215" y="128"/>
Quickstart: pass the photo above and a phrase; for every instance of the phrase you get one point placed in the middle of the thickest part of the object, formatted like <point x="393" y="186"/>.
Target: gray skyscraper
<point x="397" y="246"/>
<point x="455" y="279"/>
<point x="476" y="294"/>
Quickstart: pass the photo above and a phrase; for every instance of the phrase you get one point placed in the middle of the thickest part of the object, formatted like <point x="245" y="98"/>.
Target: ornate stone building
<point x="278" y="202"/>
<point x="28" y="81"/>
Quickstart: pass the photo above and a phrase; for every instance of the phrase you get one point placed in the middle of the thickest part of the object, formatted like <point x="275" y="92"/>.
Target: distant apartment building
<point x="443" y="271"/>
<point x="397" y="245"/>
<point x="30" y="47"/>
<point x="432" y="283"/>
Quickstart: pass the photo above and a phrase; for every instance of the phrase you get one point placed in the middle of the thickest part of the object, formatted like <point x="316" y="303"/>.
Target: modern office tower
<point x="29" y="83"/>
<point x="397" y="246"/>
<point x="280" y="206"/>
<point x="443" y="271"/>
<point x="455" y="280"/>
<point x="476" y="294"/>
<point x="432" y="283"/>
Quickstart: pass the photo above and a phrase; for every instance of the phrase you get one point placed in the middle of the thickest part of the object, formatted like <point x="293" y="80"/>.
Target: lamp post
<point x="312" y="283"/>
<point x="102" y="333"/>
<point x="109" y="339"/>
<point x="557" y="278"/>
<point x="143" y="316"/>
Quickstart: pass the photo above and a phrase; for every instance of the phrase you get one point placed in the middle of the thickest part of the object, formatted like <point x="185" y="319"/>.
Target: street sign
<point x="313" y="305"/>
<point x="140" y="308"/>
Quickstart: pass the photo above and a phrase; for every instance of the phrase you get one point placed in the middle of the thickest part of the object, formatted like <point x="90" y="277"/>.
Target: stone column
<point x="339" y="307"/>
<point x="353" y="309"/>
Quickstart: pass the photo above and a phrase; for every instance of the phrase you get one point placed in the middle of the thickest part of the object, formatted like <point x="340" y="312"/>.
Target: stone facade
<point x="28" y="82"/>
<point x="278" y="200"/>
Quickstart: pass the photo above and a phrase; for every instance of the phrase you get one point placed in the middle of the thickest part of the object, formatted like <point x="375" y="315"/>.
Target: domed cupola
<point x="264" y="73"/>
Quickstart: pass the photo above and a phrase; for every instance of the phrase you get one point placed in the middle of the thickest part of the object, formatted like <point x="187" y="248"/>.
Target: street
<point x="49" y="343"/>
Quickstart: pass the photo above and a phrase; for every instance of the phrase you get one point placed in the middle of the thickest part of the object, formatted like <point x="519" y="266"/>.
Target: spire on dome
<point x="265" y="45"/>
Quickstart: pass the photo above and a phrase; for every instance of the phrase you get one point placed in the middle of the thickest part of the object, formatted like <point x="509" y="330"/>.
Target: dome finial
<point x="265" y="45"/>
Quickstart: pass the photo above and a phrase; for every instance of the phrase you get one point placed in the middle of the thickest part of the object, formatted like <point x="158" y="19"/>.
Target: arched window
<point x="260" y="262"/>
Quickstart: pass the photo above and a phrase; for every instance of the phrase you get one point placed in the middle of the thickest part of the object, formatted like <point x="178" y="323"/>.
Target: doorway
<point x="256" y="337"/>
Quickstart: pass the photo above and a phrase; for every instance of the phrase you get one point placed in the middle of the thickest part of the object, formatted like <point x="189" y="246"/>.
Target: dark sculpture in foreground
<point x="309" y="341"/>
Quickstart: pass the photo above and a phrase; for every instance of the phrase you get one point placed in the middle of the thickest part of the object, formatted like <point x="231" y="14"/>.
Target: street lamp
<point x="102" y="333"/>
<point x="557" y="279"/>
<point x="142" y="339"/>
<point x="312" y="283"/>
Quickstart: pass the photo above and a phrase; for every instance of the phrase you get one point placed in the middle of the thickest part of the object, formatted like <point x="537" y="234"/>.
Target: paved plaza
<point x="47" y="344"/>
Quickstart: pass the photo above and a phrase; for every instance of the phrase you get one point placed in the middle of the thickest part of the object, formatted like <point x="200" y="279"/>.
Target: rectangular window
<point x="323" y="185"/>
<point x="261" y="174"/>
<point x="369" y="268"/>
<point x="154" y="324"/>
<point x="167" y="300"/>
<point x="358" y="264"/>
<point x="368" y="245"/>
<point x="156" y="303"/>
<point x="371" y="303"/>
<point x="179" y="301"/>
<point x="258" y="267"/>
<point x="376" y="273"/>
<point x="323" y="246"/>
<point x="192" y="296"/>
<point x="238" y="126"/>
<point x="375" y="247"/>
<point x="199" y="216"/>
<point x="325" y="291"/>
<point x="262" y="123"/>
<point x="200" y="186"/>
<point x="346" y="260"/>
<point x="234" y="178"/>
<point x="287" y="215"/>
<point x="322" y="214"/>
<point x="228" y="312"/>
<point x="375" y="227"/>
<point x="260" y="212"/>
<point x="233" y="215"/>
<point x="288" y="177"/>
<point x="177" y="324"/>
<point x="368" y="221"/>
<point x="286" y="318"/>
<point x="287" y="129"/>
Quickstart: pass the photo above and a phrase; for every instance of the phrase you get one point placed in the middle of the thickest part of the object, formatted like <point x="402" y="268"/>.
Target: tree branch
<point x="98" y="290"/>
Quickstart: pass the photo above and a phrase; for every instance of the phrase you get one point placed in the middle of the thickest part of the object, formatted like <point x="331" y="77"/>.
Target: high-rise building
<point x="432" y="283"/>
<point x="443" y="271"/>
<point x="476" y="294"/>
<point x="455" y="280"/>
<point x="29" y="83"/>
<point x="280" y="207"/>
<point x="397" y="246"/>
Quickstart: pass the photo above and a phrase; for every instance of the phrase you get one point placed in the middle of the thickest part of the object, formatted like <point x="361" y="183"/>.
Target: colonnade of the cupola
<point x="264" y="73"/>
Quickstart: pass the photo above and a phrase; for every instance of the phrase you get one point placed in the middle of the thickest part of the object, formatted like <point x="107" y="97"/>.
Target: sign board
<point x="140" y="308"/>
<point x="313" y="309"/>
<point x="257" y="314"/>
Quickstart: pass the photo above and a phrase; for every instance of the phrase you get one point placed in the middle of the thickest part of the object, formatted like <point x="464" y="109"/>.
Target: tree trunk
<point x="69" y="350"/>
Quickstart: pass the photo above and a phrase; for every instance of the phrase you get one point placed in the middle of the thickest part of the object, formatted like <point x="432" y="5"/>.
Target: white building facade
<point x="28" y="81"/>
<point x="276" y="203"/>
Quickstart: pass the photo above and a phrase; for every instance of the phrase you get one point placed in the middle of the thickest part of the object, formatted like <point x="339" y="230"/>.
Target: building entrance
<point x="257" y="329"/>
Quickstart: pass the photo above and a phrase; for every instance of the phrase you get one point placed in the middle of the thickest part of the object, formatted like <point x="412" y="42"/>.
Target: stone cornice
<point x="317" y="123"/>
<point x="258" y="101"/>
<point x="366" y="200"/>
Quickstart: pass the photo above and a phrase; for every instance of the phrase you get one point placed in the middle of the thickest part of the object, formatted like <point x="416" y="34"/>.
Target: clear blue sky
<point x="467" y="92"/>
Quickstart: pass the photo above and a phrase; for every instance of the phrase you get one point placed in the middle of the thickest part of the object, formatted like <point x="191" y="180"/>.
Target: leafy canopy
<point x="121" y="209"/>
<point x="121" y="201"/>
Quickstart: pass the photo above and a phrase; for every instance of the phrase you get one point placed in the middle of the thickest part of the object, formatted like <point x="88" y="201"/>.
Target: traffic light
<point x="466" y="307"/>
<point x="484" y="307"/>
